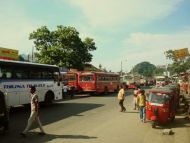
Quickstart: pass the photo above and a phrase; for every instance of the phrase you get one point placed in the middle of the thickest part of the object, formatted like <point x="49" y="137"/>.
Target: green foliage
<point x="170" y="55"/>
<point x="20" y="58"/>
<point x="159" y="71"/>
<point x="144" y="68"/>
<point x="178" y="65"/>
<point x="62" y="47"/>
<point x="89" y="67"/>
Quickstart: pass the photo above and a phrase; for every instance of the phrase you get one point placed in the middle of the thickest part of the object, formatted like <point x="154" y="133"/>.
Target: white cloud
<point x="139" y="47"/>
<point x="111" y="13"/>
<point x="15" y="27"/>
<point x="150" y="41"/>
<point x="150" y="47"/>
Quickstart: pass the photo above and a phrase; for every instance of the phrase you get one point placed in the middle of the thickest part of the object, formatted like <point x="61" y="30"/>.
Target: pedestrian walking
<point x="141" y="101"/>
<point x="34" y="116"/>
<point x="121" y="98"/>
<point x="135" y="94"/>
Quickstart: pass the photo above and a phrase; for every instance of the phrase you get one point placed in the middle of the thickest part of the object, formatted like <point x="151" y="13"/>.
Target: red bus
<point x="71" y="79"/>
<point x="98" y="82"/>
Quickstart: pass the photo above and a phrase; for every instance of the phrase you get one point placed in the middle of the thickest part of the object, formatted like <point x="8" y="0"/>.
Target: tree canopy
<point x="144" y="68"/>
<point x="159" y="71"/>
<point x="178" y="65"/>
<point x="62" y="47"/>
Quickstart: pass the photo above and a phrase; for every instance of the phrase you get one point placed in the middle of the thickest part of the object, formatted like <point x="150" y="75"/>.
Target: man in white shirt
<point x="65" y="91"/>
<point x="34" y="116"/>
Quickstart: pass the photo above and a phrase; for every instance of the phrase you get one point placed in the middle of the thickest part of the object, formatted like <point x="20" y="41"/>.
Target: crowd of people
<point x="139" y="101"/>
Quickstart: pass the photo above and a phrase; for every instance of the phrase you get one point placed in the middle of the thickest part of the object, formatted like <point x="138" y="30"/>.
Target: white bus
<point x="16" y="78"/>
<point x="161" y="80"/>
<point x="130" y="79"/>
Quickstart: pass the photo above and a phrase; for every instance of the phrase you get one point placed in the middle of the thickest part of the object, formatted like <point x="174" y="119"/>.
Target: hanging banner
<point x="181" y="53"/>
<point x="8" y="54"/>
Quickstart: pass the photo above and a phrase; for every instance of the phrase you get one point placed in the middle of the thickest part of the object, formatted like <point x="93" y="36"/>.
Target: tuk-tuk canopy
<point x="160" y="95"/>
<point x="162" y="90"/>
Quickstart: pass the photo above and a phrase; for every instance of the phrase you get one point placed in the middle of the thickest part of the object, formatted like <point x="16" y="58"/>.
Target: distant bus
<point x="161" y="80"/>
<point x="71" y="80"/>
<point x="99" y="82"/>
<point x="17" y="77"/>
<point x="131" y="80"/>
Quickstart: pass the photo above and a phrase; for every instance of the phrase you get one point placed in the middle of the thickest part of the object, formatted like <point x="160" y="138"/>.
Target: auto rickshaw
<point x="160" y="106"/>
<point x="176" y="89"/>
<point x="4" y="114"/>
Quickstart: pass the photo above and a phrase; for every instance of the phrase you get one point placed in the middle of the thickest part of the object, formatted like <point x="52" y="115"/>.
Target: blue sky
<point x="130" y="31"/>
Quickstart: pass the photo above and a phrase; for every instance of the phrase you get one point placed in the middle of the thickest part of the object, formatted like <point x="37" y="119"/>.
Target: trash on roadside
<point x="167" y="132"/>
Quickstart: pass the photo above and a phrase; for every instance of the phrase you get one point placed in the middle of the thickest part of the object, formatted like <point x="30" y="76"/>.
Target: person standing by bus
<point x="72" y="91"/>
<point x="4" y="113"/>
<point x="34" y="116"/>
<point x="121" y="98"/>
<point x="65" y="90"/>
<point x="141" y="101"/>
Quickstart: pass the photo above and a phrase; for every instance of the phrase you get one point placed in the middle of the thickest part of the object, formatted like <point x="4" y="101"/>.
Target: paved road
<point x="93" y="120"/>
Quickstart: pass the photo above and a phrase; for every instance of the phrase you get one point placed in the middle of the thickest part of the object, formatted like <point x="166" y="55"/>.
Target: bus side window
<point x="9" y="75"/>
<point x="20" y="74"/>
<point x="35" y="74"/>
<point x="50" y="75"/>
<point x="4" y="75"/>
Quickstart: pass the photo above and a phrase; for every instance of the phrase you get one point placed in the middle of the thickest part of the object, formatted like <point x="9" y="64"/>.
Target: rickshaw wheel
<point x="153" y="125"/>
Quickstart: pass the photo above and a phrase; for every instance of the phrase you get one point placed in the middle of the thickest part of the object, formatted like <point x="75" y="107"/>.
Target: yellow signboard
<point x="9" y="54"/>
<point x="181" y="53"/>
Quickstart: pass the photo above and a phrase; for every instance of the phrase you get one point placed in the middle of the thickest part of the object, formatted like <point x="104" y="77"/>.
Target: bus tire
<point x="153" y="125"/>
<point x="49" y="96"/>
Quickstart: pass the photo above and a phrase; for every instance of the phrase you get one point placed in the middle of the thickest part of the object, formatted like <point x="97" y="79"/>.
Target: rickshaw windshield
<point x="158" y="98"/>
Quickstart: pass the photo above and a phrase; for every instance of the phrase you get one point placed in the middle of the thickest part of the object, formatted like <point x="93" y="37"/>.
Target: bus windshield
<point x="86" y="78"/>
<point x="72" y="78"/>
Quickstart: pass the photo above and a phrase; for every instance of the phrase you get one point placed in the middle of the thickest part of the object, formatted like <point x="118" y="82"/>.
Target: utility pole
<point x="32" y="53"/>
<point x="121" y="68"/>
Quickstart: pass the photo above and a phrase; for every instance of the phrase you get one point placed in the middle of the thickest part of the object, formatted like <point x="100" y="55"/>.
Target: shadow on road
<point x="61" y="111"/>
<point x="53" y="113"/>
<point x="34" y="137"/>
<point x="180" y="122"/>
<point x="136" y="112"/>
<point x="48" y="115"/>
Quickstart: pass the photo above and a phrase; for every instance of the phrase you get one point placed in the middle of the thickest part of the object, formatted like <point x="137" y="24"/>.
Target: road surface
<point x="93" y="119"/>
